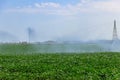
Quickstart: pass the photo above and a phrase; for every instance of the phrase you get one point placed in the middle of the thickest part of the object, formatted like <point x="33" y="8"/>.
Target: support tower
<point x="115" y="36"/>
<point x="31" y="35"/>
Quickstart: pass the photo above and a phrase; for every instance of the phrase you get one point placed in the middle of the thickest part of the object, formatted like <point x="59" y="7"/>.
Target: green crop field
<point x="90" y="66"/>
<point x="18" y="62"/>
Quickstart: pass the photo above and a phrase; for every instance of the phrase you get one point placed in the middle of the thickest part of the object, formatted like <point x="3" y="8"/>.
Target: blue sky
<point x="59" y="19"/>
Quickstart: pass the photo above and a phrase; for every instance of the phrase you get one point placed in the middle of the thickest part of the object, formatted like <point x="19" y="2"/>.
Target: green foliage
<point x="23" y="62"/>
<point x="16" y="48"/>
<point x="48" y="48"/>
<point x="87" y="66"/>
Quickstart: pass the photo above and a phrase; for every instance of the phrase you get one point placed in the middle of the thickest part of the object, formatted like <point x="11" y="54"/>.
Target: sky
<point x="66" y="20"/>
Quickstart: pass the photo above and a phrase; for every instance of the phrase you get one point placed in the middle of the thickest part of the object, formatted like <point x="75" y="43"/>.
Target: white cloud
<point x="23" y="10"/>
<point x="111" y="6"/>
<point x="85" y="1"/>
<point x="49" y="4"/>
<point x="38" y="5"/>
<point x="108" y="6"/>
<point x="83" y="6"/>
